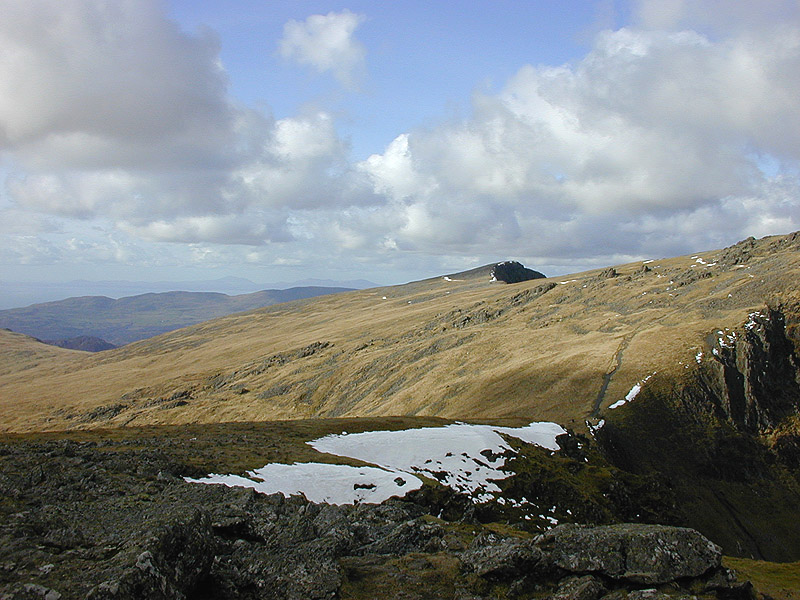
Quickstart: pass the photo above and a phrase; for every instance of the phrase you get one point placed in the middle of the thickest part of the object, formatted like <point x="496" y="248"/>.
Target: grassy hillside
<point x="138" y="317"/>
<point x="680" y="378"/>
<point x="20" y="352"/>
<point x="562" y="349"/>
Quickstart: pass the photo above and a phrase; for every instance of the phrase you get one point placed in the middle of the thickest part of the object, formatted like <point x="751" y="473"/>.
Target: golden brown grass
<point x="459" y="349"/>
<point x="780" y="581"/>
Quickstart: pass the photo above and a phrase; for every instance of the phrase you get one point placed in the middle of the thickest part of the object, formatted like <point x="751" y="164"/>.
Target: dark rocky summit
<point x="87" y="521"/>
<point x="513" y="272"/>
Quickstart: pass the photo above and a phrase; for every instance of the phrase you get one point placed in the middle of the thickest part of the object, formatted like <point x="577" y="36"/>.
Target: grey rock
<point x="579" y="588"/>
<point x="616" y="595"/>
<point x="724" y="582"/>
<point x="500" y="558"/>
<point x="649" y="554"/>
<point x="41" y="592"/>
<point x="176" y="561"/>
<point x="105" y="526"/>
<point x="653" y="594"/>
<point x="411" y="536"/>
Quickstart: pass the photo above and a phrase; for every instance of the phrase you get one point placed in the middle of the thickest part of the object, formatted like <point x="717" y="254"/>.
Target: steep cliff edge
<point x="725" y="434"/>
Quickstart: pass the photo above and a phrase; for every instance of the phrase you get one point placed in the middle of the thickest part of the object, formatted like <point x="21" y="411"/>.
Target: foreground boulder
<point x="612" y="562"/>
<point x="651" y="554"/>
<point x="502" y="558"/>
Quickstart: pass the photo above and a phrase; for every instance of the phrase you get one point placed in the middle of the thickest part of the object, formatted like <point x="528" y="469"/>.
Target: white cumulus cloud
<point x="327" y="44"/>
<point x="676" y="133"/>
<point x="667" y="127"/>
<point x="110" y="111"/>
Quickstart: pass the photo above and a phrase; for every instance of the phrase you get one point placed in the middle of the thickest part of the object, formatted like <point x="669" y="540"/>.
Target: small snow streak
<point x="634" y="391"/>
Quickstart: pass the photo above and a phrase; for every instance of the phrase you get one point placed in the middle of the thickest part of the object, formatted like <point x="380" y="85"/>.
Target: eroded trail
<point x="617" y="362"/>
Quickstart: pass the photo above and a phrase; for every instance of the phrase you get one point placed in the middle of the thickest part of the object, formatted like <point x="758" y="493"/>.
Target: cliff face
<point x="754" y="380"/>
<point x="725" y="435"/>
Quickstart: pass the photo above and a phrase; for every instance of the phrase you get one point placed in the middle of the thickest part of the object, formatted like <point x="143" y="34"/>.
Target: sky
<point x="391" y="141"/>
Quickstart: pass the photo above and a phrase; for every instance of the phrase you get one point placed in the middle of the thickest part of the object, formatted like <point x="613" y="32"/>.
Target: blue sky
<point x="184" y="140"/>
<point x="425" y="58"/>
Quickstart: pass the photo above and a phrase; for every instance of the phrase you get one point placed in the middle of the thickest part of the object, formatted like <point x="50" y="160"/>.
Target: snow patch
<point x="332" y="484"/>
<point x="461" y="456"/>
<point x="634" y="391"/>
<point x="464" y="457"/>
<point x="752" y="320"/>
<point x="595" y="428"/>
<point x="726" y="339"/>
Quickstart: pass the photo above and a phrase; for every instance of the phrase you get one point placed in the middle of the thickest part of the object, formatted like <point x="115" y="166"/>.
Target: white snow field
<point x="318" y="482"/>
<point x="462" y="456"/>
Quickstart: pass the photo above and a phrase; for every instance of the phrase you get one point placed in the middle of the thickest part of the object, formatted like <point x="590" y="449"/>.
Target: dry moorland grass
<point x="466" y="348"/>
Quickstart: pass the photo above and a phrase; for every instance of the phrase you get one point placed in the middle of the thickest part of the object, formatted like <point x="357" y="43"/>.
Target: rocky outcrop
<point x="620" y="562"/>
<point x="513" y="272"/>
<point x="175" y="562"/>
<point x="587" y="587"/>
<point x="648" y="554"/>
<point x="753" y="379"/>
<point x="502" y="559"/>
<point x="299" y="557"/>
<point x="724" y="434"/>
<point x="89" y="522"/>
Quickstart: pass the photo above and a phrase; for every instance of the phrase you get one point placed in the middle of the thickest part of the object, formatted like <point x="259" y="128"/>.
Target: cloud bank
<point x="649" y="135"/>
<point x="666" y="137"/>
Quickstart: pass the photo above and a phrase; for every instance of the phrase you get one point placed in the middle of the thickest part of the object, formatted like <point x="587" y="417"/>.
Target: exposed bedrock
<point x="513" y="272"/>
<point x="753" y="380"/>
<point x="290" y="549"/>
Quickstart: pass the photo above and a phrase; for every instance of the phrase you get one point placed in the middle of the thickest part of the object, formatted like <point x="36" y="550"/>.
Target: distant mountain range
<point x="85" y="322"/>
<point x="14" y="294"/>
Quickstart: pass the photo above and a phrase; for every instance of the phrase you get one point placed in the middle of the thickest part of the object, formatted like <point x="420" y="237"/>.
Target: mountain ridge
<point x="458" y="348"/>
<point x="20" y="294"/>
<point x="132" y="318"/>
